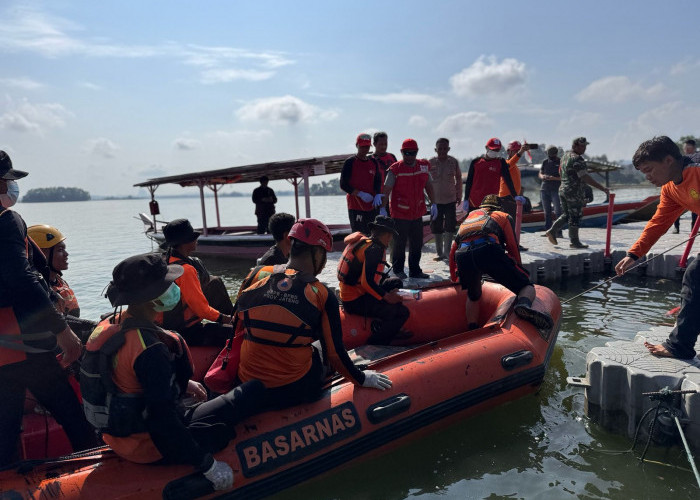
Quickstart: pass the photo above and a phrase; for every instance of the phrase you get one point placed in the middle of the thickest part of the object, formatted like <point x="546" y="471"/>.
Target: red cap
<point x="494" y="144"/>
<point x="515" y="145"/>
<point x="363" y="140"/>
<point x="409" y="145"/>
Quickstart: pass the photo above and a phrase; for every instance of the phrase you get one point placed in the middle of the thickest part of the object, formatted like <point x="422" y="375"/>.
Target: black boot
<point x="541" y="320"/>
<point x="573" y="236"/>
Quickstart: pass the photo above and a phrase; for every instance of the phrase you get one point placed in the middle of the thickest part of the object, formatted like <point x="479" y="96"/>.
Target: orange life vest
<point x="477" y="225"/>
<point x="407" y="199"/>
<point x="69" y="302"/>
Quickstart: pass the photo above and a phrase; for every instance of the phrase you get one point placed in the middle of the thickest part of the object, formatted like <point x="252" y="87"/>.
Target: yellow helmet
<point x="45" y="236"/>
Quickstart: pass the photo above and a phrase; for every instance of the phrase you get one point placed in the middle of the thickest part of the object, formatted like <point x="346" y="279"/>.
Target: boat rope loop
<point x="641" y="262"/>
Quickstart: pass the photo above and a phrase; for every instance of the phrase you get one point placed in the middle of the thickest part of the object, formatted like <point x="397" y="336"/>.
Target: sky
<point x="104" y="94"/>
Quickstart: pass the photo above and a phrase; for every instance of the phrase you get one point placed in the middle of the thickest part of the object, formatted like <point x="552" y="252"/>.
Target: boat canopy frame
<point x="293" y="171"/>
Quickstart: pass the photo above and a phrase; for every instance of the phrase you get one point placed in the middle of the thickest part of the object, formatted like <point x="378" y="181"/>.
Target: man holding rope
<point x="660" y="160"/>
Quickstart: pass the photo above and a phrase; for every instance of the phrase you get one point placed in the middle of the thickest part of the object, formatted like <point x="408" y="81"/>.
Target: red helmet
<point x="409" y="145"/>
<point x="494" y="144"/>
<point x="514" y="146"/>
<point x="312" y="232"/>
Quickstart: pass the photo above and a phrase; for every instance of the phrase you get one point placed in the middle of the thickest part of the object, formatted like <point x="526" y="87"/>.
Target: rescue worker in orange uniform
<point x="136" y="375"/>
<point x="660" y="160"/>
<point x="30" y="329"/>
<point x="485" y="174"/>
<point x="364" y="288"/>
<point x="405" y="184"/>
<point x="284" y="312"/>
<point x="361" y="178"/>
<point x="202" y="296"/>
<point x="479" y="248"/>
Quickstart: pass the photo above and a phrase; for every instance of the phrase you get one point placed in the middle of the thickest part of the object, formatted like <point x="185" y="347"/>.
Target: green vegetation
<point x="327" y="188"/>
<point x="52" y="194"/>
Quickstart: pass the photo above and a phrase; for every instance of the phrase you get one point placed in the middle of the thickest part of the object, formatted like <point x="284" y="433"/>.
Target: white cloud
<point x="463" y="122"/>
<point x="152" y="171"/>
<point x="286" y="109"/>
<point x="101" y="147"/>
<point x="25" y="116"/>
<point x="89" y="85"/>
<point x="417" y="121"/>
<point x="21" y="83"/>
<point x="488" y="76"/>
<point x="185" y="144"/>
<point x="578" y="120"/>
<point x="685" y="66"/>
<point x="230" y="75"/>
<point x="617" y="89"/>
<point x="404" y="98"/>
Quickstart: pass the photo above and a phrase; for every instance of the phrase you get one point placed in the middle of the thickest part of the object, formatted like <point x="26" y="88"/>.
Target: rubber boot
<point x="553" y="231"/>
<point x="439" y="246"/>
<point x="573" y="236"/>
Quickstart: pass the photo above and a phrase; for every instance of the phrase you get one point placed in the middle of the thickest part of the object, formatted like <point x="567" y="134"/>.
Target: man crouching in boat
<point x="134" y="374"/>
<point x="202" y="296"/>
<point x="283" y="312"/>
<point x="364" y="287"/>
<point x="478" y="249"/>
<point x="660" y="160"/>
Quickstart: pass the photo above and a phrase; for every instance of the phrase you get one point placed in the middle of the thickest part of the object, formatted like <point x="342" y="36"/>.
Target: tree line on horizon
<point x="53" y="194"/>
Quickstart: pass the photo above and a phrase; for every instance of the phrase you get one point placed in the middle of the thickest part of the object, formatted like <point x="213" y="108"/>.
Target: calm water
<point x="542" y="446"/>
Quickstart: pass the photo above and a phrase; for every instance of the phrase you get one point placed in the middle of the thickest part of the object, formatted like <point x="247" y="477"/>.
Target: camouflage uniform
<point x="571" y="191"/>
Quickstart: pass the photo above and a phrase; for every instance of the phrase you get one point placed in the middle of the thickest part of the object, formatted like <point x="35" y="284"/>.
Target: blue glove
<point x="366" y="197"/>
<point x="521" y="199"/>
<point x="377" y="200"/>
<point x="433" y="211"/>
<point x="465" y="205"/>
<point x="382" y="211"/>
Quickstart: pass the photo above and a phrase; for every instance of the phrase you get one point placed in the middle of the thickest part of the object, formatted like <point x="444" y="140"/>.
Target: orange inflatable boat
<point x="447" y="374"/>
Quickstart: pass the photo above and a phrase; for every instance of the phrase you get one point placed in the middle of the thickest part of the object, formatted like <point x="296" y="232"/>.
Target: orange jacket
<point x="675" y="199"/>
<point x="514" y="175"/>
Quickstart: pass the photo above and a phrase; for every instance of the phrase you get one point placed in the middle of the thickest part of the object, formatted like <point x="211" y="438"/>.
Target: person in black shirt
<point x="264" y="199"/>
<point x="549" y="191"/>
<point x="279" y="226"/>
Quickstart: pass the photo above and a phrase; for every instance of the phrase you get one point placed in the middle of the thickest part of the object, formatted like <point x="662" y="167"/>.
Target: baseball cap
<point x="363" y="140"/>
<point x="494" y="144"/>
<point x="579" y="140"/>
<point x="409" y="144"/>
<point x="6" y="170"/>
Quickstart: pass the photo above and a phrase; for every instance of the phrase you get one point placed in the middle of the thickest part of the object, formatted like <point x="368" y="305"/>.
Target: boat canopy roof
<point x="274" y="170"/>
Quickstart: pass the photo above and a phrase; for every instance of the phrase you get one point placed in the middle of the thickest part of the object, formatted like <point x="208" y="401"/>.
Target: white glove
<point x="465" y="205"/>
<point x="376" y="380"/>
<point x="377" y="200"/>
<point x="220" y="475"/>
<point x="382" y="211"/>
<point x="366" y="197"/>
<point x="433" y="211"/>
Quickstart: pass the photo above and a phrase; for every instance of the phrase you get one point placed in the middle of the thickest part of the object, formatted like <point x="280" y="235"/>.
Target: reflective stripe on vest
<point x="407" y="199"/>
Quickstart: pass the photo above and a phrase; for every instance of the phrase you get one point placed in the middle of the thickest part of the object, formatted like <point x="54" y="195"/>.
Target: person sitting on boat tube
<point x="135" y="375"/>
<point x="364" y="287"/>
<point x="479" y="248"/>
<point x="202" y="296"/>
<point x="362" y="178"/>
<point x="280" y="225"/>
<point x="284" y="312"/>
<point x="52" y="244"/>
<point x="660" y="160"/>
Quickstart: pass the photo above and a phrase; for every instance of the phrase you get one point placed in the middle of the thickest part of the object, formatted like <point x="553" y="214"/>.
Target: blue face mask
<point x="168" y="300"/>
<point x="9" y="199"/>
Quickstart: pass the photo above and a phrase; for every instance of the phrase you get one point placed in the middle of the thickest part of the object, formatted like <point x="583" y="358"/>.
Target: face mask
<point x="168" y="300"/>
<point x="492" y="154"/>
<point x="10" y="198"/>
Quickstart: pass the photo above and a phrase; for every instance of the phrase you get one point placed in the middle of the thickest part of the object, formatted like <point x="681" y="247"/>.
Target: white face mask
<point x="492" y="154"/>
<point x="10" y="198"/>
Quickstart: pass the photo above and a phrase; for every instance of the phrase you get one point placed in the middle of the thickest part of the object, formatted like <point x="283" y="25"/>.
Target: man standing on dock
<point x="406" y="180"/>
<point x="361" y="178"/>
<point x="264" y="199"/>
<point x="446" y="179"/>
<point x="660" y="160"/>
<point x="573" y="178"/>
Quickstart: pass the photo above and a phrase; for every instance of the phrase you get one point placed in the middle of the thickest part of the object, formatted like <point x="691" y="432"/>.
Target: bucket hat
<point x="141" y="278"/>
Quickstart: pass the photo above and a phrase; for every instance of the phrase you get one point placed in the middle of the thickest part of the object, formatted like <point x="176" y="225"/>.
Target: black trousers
<point x="446" y="220"/>
<point x="44" y="377"/>
<point x="681" y="341"/>
<point x="410" y="231"/>
<point x="359" y="220"/>
<point x="305" y="390"/>
<point x="391" y="316"/>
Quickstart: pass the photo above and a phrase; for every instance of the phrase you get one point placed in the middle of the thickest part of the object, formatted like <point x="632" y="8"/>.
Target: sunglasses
<point x="410" y="153"/>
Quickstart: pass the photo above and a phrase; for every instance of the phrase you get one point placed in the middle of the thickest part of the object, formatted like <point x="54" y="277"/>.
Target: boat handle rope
<point x="639" y="263"/>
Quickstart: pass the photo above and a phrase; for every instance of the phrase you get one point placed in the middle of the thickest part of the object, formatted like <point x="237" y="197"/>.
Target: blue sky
<point x="101" y="95"/>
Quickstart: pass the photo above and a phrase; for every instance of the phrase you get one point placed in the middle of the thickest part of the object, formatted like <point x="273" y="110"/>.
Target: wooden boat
<point x="449" y="375"/>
